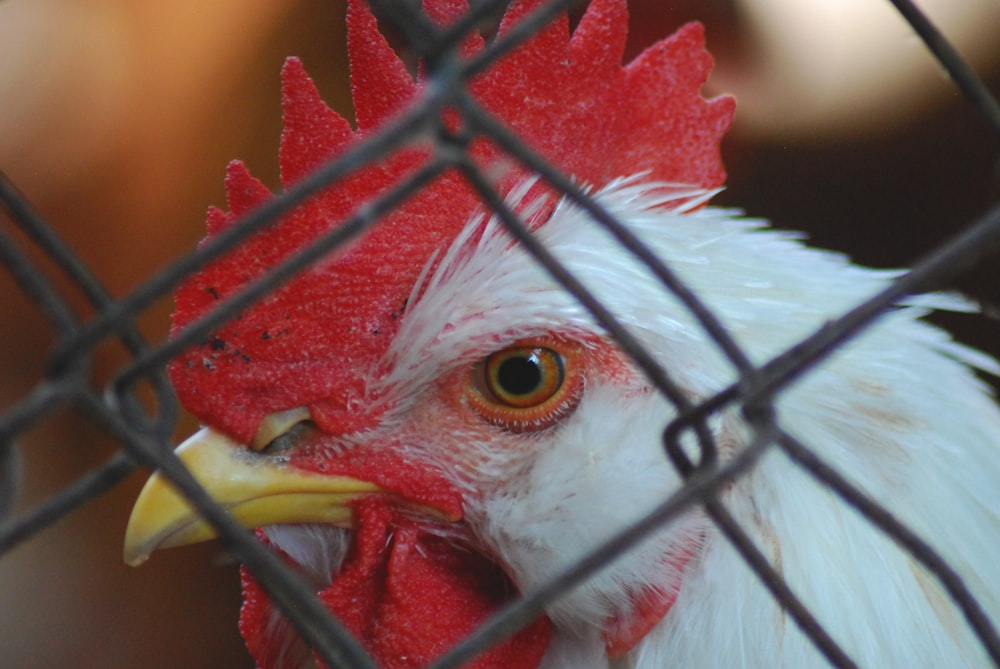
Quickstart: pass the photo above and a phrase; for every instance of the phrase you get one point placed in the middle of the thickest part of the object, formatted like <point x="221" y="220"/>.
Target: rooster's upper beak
<point x="254" y="488"/>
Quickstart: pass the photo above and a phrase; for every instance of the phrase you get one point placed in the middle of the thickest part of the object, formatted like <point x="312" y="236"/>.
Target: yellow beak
<point x="255" y="489"/>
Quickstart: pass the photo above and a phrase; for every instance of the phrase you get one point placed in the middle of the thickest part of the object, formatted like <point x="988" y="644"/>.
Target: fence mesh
<point x="136" y="406"/>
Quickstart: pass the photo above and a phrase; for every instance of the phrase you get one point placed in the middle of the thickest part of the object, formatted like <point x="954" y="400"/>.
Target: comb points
<point x="216" y="220"/>
<point x="380" y="82"/>
<point x="244" y="192"/>
<point x="677" y="130"/>
<point x="603" y="28"/>
<point x="313" y="133"/>
<point x="446" y="12"/>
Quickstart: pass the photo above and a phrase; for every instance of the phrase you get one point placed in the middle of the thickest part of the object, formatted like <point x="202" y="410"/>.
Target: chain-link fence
<point x="137" y="407"/>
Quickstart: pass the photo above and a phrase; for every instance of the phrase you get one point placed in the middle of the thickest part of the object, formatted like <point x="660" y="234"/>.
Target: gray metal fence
<point x="138" y="409"/>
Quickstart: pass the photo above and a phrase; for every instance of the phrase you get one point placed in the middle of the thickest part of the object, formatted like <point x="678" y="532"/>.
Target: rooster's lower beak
<point x="255" y="489"/>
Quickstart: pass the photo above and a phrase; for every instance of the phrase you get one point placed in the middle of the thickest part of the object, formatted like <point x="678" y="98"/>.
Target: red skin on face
<point x="408" y="596"/>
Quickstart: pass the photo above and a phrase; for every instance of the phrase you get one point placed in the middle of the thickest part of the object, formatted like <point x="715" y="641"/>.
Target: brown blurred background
<point x="117" y="118"/>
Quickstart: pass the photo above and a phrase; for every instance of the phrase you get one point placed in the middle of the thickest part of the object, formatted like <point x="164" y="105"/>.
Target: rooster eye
<point x="523" y="377"/>
<point x="526" y="387"/>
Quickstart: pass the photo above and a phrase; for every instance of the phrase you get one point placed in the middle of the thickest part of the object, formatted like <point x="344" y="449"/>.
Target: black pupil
<point x="520" y="375"/>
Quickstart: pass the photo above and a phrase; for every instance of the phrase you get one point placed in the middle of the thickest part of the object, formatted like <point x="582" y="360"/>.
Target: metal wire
<point x="144" y="434"/>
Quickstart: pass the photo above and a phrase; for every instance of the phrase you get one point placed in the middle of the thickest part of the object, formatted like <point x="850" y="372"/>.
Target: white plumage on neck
<point x="898" y="411"/>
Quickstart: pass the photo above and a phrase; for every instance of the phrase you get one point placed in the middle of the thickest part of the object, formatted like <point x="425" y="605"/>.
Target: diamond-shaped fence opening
<point x="85" y="400"/>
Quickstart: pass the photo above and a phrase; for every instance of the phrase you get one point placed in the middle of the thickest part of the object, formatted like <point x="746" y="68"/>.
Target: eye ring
<point x="527" y="386"/>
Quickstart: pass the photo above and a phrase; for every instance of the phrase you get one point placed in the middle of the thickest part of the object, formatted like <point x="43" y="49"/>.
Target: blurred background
<point x="117" y="118"/>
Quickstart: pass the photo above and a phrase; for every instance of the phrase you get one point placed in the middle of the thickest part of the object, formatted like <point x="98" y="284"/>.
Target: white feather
<point x="897" y="410"/>
<point x="317" y="550"/>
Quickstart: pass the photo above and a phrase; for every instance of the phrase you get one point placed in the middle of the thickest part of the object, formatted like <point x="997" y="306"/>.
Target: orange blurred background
<point x="117" y="118"/>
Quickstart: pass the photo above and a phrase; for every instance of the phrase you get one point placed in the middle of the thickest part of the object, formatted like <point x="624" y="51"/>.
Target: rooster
<point x="425" y="424"/>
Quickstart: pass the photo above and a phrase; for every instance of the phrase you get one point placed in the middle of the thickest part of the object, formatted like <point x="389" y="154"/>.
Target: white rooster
<point x="426" y="423"/>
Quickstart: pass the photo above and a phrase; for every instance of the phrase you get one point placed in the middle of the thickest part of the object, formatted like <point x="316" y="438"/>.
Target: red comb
<point x="312" y="341"/>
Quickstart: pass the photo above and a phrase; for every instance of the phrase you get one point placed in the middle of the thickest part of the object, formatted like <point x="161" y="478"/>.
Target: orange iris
<point x="527" y="386"/>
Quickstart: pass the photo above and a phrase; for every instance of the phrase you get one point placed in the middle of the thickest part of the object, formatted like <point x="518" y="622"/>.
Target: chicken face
<point x="426" y="424"/>
<point x="386" y="425"/>
<point x="467" y="488"/>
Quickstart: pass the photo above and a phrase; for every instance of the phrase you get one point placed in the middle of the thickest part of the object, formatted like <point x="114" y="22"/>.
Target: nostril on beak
<point x="277" y="424"/>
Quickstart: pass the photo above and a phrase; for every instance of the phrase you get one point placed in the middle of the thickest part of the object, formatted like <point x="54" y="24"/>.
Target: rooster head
<point x="389" y="415"/>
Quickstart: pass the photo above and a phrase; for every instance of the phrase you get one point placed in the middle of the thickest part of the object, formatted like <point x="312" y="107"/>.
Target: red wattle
<point x="408" y="596"/>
